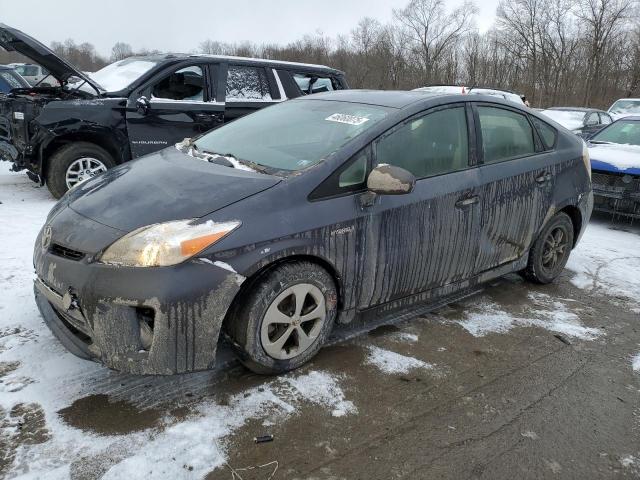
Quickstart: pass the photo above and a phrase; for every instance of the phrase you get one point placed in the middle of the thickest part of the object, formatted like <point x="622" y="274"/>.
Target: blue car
<point x="10" y="79"/>
<point x="615" y="163"/>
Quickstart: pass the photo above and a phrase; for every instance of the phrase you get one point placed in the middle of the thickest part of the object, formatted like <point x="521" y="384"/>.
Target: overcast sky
<point x="179" y="26"/>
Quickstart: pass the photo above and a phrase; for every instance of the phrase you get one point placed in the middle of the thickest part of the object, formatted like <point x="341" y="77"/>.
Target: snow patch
<point x="322" y="389"/>
<point x="405" y="337"/>
<point x="224" y="266"/>
<point x="635" y="362"/>
<point x="492" y="319"/>
<point x="391" y="362"/>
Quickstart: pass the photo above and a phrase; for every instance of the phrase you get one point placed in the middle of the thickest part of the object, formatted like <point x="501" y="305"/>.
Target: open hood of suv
<point x="15" y="40"/>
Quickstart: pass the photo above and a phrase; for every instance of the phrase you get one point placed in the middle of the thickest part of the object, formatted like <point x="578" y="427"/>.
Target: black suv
<point x="67" y="134"/>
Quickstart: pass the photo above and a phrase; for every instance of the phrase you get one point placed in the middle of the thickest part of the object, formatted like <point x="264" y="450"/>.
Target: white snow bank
<point x="391" y="362"/>
<point x="607" y="261"/>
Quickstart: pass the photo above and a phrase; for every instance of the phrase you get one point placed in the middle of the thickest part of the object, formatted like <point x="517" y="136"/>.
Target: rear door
<point x="516" y="175"/>
<point x="427" y="238"/>
<point x="182" y="103"/>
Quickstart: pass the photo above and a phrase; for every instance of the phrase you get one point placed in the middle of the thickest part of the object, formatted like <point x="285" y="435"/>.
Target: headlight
<point x="165" y="244"/>
<point x="585" y="157"/>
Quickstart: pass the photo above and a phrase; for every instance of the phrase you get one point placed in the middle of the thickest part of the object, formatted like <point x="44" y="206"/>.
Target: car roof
<point x="576" y="109"/>
<point x="172" y="57"/>
<point x="398" y="98"/>
<point x="632" y="118"/>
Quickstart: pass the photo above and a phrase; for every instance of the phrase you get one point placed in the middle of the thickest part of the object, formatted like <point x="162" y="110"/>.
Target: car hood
<point x="164" y="186"/>
<point x="12" y="39"/>
<point x="615" y="157"/>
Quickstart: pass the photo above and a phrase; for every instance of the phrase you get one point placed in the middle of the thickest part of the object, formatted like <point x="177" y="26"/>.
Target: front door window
<point x="186" y="84"/>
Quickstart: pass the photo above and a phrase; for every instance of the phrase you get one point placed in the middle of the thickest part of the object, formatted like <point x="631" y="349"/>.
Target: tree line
<point x="555" y="52"/>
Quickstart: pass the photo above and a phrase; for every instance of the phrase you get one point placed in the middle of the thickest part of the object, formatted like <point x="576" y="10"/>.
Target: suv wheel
<point x="76" y="163"/>
<point x="550" y="252"/>
<point x="285" y="318"/>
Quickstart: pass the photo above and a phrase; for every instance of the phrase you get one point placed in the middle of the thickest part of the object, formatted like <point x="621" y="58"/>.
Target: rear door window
<point x="605" y="119"/>
<point x="309" y="83"/>
<point x="546" y="131"/>
<point x="186" y="84"/>
<point x="247" y="84"/>
<point x="505" y="134"/>
<point x="433" y="144"/>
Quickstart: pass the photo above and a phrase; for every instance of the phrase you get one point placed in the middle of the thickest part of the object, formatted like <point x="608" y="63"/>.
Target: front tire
<point x="75" y="163"/>
<point x="285" y="318"/>
<point x="550" y="252"/>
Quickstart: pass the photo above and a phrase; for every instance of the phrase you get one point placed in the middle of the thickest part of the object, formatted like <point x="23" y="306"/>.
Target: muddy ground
<point x="519" y="381"/>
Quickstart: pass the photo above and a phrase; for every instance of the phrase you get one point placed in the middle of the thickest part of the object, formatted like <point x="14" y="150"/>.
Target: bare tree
<point x="121" y="51"/>
<point x="433" y="30"/>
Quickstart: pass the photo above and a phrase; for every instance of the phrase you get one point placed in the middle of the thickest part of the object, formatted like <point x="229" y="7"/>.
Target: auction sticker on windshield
<point x="349" y="119"/>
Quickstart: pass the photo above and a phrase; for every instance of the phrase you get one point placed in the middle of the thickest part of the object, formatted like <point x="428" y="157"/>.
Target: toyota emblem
<point x="46" y="237"/>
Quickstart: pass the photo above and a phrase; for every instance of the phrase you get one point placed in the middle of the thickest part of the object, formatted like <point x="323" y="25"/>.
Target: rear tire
<point x="550" y="252"/>
<point x="60" y="163"/>
<point x="285" y="318"/>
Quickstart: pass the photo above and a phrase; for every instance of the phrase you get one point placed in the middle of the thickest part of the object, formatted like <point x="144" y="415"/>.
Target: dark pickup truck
<point x="64" y="135"/>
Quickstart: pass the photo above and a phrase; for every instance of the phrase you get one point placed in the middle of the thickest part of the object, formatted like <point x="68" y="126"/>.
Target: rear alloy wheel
<point x="550" y="252"/>
<point x="75" y="163"/>
<point x="285" y="318"/>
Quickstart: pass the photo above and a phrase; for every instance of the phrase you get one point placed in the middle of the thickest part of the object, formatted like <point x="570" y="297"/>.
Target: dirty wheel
<point x="550" y="252"/>
<point x="75" y="163"/>
<point x="285" y="318"/>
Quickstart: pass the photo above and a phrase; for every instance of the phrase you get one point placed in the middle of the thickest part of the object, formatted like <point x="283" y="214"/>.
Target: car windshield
<point x="292" y="135"/>
<point x="12" y="80"/>
<point x="625" y="106"/>
<point x="570" y="119"/>
<point x="620" y="132"/>
<point x="121" y="74"/>
<point x="27" y="70"/>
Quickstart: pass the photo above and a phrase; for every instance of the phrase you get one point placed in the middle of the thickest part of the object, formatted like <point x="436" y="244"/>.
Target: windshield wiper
<point x="600" y="142"/>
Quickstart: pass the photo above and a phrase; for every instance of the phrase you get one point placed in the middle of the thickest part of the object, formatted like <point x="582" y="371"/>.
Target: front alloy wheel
<point x="284" y="317"/>
<point x="293" y="321"/>
<point x="82" y="170"/>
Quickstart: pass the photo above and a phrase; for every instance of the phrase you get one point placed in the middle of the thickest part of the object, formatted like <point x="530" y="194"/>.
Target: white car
<point x="455" y="90"/>
<point x="34" y="74"/>
<point x="625" y="107"/>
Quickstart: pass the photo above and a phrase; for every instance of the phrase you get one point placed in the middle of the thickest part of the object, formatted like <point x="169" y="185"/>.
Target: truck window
<point x="186" y="84"/>
<point x="309" y="83"/>
<point x="247" y="84"/>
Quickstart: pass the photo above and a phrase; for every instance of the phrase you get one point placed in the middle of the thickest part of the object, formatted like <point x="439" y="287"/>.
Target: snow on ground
<point x="552" y="315"/>
<point x="607" y="261"/>
<point x="635" y="362"/>
<point x="392" y="363"/>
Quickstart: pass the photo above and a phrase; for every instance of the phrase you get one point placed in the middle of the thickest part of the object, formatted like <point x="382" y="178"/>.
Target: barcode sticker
<point x="348" y="119"/>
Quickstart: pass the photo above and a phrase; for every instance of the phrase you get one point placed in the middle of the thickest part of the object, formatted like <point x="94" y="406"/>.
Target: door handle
<point x="467" y="202"/>
<point x="543" y="178"/>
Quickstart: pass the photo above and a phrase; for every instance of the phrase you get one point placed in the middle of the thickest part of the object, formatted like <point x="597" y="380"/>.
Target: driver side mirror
<point x="390" y="180"/>
<point x="143" y="105"/>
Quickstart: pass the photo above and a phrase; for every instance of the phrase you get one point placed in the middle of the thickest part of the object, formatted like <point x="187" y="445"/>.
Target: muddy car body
<point x="340" y="219"/>
<point x="64" y="135"/>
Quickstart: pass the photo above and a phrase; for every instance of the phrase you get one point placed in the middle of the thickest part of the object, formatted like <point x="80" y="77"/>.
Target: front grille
<point x="64" y="252"/>
<point x="615" y="183"/>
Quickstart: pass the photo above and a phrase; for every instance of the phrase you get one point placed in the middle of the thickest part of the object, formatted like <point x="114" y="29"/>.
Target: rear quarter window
<point x="548" y="134"/>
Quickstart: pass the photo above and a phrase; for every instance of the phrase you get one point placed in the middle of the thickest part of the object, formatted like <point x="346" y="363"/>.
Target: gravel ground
<point x="519" y="381"/>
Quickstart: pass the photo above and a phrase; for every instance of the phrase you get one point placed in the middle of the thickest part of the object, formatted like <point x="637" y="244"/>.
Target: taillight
<point x="585" y="158"/>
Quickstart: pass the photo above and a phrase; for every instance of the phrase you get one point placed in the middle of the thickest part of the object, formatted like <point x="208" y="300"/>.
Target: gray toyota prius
<point x="340" y="210"/>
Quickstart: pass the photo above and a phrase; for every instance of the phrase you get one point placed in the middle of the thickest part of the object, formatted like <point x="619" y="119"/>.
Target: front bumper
<point x="160" y="321"/>
<point x="617" y="193"/>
